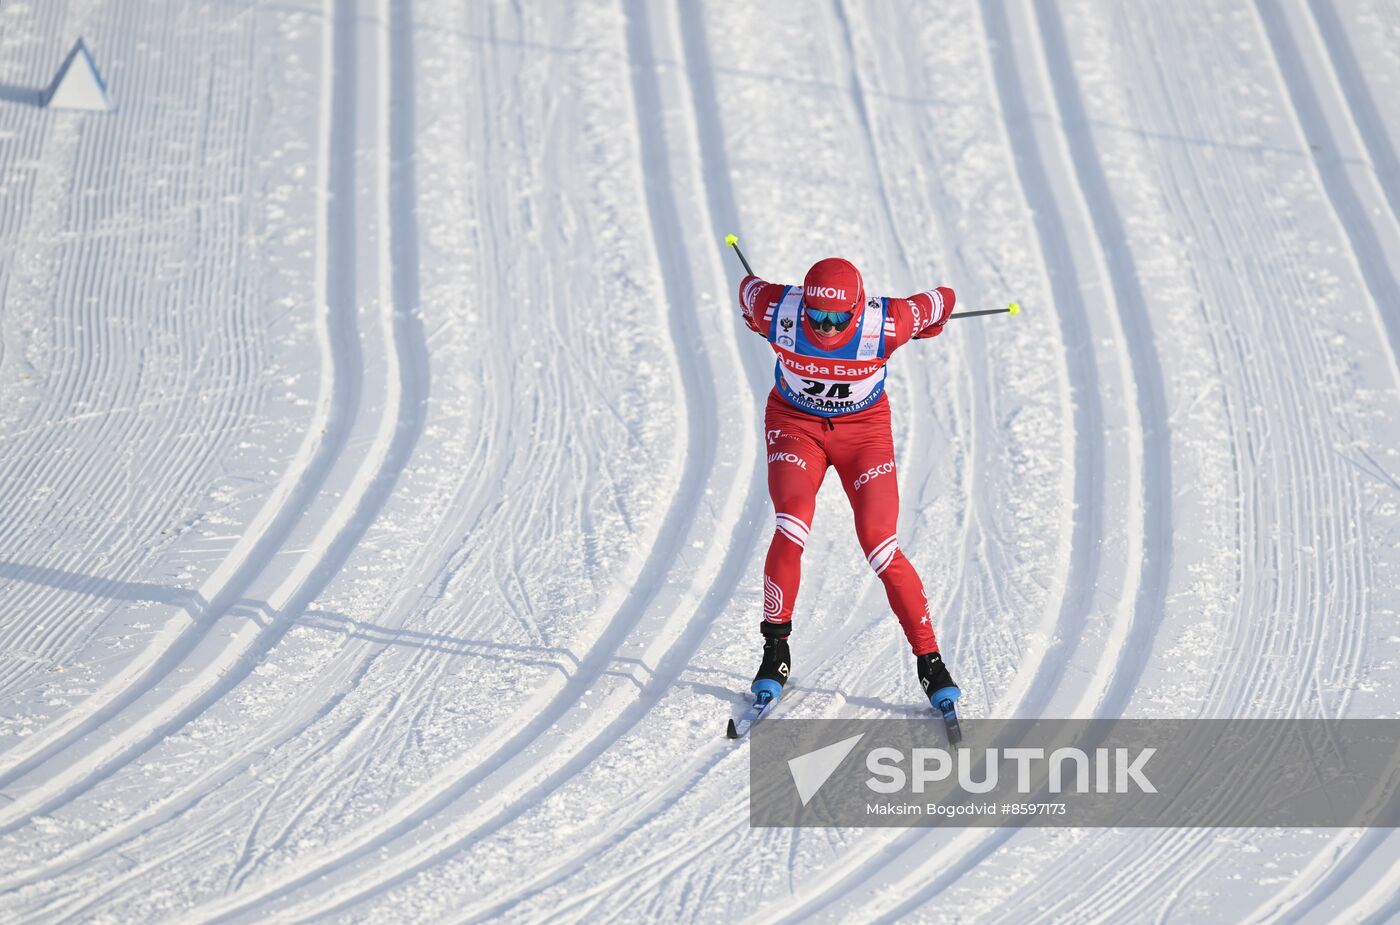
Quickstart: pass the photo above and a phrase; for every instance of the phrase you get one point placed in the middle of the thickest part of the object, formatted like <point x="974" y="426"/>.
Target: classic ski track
<point x="1123" y="874"/>
<point x="1349" y="850"/>
<point x="846" y="876"/>
<point x="659" y="805"/>
<point x="722" y="206"/>
<point x="469" y="511"/>
<point x="75" y="379"/>
<point x="1374" y="263"/>
<point x="1302" y="469"/>
<point x="223" y="589"/>
<point x="630" y="824"/>
<point x="1345" y="92"/>
<point x="519" y="805"/>
<point x="474" y="503"/>
<point x="471" y="506"/>
<point x="477" y="504"/>
<point x="399" y="426"/>
<point x="427" y="802"/>
<point x="1128" y="657"/>
<point x="395" y="174"/>
<point x="89" y="337"/>
<point x="1153" y="492"/>
<point x="1170" y="861"/>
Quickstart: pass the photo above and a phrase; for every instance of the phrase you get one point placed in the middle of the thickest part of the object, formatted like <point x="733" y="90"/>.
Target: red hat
<point x="833" y="285"/>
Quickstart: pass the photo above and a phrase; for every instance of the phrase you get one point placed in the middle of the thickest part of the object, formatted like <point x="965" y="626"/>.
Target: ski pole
<point x="1013" y="309"/>
<point x="733" y="241"/>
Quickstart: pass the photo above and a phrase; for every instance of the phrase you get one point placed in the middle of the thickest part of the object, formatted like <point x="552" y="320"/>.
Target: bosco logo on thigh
<point x="874" y="472"/>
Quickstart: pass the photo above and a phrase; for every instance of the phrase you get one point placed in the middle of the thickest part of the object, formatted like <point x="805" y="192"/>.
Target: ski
<point x="949" y="712"/>
<point x="756" y="711"/>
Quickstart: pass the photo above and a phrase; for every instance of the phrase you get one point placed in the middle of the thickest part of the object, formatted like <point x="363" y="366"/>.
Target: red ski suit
<point x="828" y="408"/>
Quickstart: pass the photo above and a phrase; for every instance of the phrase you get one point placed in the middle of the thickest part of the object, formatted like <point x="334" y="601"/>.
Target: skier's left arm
<point x="921" y="315"/>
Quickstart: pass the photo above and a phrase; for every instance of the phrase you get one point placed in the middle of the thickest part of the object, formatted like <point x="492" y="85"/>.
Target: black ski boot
<point x="937" y="683"/>
<point x="777" y="663"/>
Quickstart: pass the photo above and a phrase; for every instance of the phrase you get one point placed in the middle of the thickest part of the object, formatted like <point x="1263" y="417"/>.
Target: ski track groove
<point x="96" y="355"/>
<point x="1351" y="849"/>
<point x="557" y="876"/>
<point x="1146" y="372"/>
<point x="1318" y="469"/>
<point x="698" y="464"/>
<point x="396" y="187"/>
<point x="721" y="203"/>
<point x="1178" y="856"/>
<point x="397" y="434"/>
<point x="550" y="784"/>
<point x="1088" y="528"/>
<point x="1351" y="97"/>
<point x="1144" y="869"/>
<point x="973" y="522"/>
<point x="1130" y="657"/>
<point x="294" y="492"/>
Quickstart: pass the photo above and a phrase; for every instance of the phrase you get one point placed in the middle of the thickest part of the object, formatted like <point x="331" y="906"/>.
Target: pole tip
<point x="1014" y="308"/>
<point x="731" y="239"/>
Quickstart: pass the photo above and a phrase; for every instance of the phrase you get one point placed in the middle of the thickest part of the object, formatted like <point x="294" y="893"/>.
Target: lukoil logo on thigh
<point x="793" y="458"/>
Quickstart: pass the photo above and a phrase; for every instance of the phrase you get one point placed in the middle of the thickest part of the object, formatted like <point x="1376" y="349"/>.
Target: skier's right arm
<point x="758" y="299"/>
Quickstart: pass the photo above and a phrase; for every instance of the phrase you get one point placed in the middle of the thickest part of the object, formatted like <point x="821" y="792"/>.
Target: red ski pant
<point x="800" y="446"/>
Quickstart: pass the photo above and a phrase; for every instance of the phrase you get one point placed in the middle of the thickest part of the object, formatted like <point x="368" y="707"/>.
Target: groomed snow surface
<point x="381" y="500"/>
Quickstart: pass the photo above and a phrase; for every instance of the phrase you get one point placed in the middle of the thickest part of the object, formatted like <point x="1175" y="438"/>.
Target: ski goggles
<point x="820" y="317"/>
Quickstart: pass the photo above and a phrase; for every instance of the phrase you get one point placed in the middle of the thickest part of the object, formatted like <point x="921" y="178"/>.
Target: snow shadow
<point x="30" y="96"/>
<point x="195" y="605"/>
<point x="730" y="690"/>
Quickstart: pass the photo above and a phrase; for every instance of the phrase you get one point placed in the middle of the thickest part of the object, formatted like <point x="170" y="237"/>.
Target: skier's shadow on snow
<point x="633" y="670"/>
<point x="29" y="96"/>
<point x="265" y="615"/>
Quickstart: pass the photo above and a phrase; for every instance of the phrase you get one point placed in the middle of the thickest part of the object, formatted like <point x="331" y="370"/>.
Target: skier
<point x="828" y="408"/>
